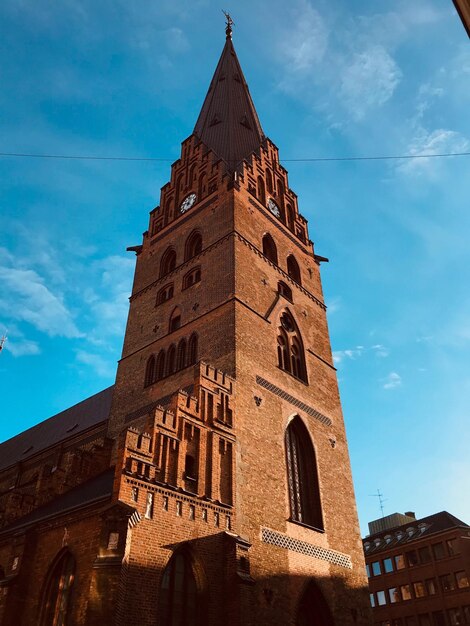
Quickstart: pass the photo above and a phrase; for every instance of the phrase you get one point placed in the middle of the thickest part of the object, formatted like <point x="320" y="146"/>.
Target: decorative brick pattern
<point x="298" y="403"/>
<point x="303" y="547"/>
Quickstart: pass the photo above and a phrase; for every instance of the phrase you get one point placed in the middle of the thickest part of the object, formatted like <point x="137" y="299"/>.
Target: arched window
<point x="290" y="350"/>
<point x="302" y="476"/>
<point x="261" y="191"/>
<point x="202" y="187"/>
<point x="56" y="599"/>
<point x="284" y="290"/>
<point x="175" y="320"/>
<point x="178" y="602"/>
<point x="160" y="367"/>
<point x="192" y="277"/>
<point x="168" y="262"/>
<point x="150" y="371"/>
<point x="165" y="293"/>
<point x="181" y="358"/>
<point x="269" y="181"/>
<point x="171" y="360"/>
<point x="293" y="269"/>
<point x="313" y="608"/>
<point x="193" y="245"/>
<point x="269" y="248"/>
<point x="290" y="216"/>
<point x="192" y="349"/>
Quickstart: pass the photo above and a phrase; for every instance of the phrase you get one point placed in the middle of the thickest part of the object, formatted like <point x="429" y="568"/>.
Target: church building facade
<point x="211" y="484"/>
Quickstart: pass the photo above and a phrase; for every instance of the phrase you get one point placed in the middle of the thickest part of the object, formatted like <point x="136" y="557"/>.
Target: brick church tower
<point x="231" y="501"/>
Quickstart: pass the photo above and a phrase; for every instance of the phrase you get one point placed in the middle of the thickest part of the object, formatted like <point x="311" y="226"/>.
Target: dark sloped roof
<point x="228" y="122"/>
<point x="68" y="423"/>
<point x="438" y="522"/>
<point x="94" y="490"/>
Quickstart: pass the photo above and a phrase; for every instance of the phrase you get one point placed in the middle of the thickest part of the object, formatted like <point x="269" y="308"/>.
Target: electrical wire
<point x="305" y="160"/>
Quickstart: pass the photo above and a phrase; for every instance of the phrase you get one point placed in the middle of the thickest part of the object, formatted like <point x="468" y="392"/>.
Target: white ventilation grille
<point x="303" y="547"/>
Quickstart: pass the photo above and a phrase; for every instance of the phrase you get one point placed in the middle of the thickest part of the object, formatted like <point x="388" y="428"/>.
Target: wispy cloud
<point x="440" y="141"/>
<point x="380" y="350"/>
<point x="305" y="45"/>
<point x="392" y="381"/>
<point x="351" y="353"/>
<point x="102" y="366"/>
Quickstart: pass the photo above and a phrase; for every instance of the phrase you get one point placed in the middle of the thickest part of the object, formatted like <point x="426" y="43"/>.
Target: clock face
<point x="187" y="202"/>
<point x="272" y="206"/>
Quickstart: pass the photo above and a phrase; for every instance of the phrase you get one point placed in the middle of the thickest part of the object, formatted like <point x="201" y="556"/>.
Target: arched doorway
<point x="313" y="609"/>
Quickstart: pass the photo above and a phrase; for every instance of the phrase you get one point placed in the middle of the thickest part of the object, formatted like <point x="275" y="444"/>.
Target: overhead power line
<point x="303" y="160"/>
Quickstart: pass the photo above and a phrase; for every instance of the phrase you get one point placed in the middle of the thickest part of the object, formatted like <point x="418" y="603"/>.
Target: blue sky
<point x="330" y="78"/>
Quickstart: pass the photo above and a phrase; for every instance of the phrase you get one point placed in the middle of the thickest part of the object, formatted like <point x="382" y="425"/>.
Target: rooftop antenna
<point x="380" y="496"/>
<point x="228" y="24"/>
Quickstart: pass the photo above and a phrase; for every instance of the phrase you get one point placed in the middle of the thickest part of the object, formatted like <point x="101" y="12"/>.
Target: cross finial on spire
<point x="228" y="24"/>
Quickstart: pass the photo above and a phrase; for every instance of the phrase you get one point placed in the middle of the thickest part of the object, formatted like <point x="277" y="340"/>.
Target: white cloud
<point x="102" y="366"/>
<point x="369" y="80"/>
<point x="392" y="381"/>
<point x="24" y="297"/>
<point x="440" y="141"/>
<point x="351" y="353"/>
<point x="305" y="45"/>
<point x="380" y="350"/>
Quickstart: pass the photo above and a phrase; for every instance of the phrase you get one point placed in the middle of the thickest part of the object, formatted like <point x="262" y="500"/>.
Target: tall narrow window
<point x="168" y="262"/>
<point x="171" y="360"/>
<point x="192" y="349"/>
<point x="56" y="600"/>
<point x="150" y="371"/>
<point x="304" y="491"/>
<point x="175" y="320"/>
<point x="181" y="359"/>
<point x="160" y="367"/>
<point x="290" y="349"/>
<point x="178" y="602"/>
<point x="269" y="248"/>
<point x="261" y="191"/>
<point x="202" y="188"/>
<point x="165" y="293"/>
<point x="193" y="245"/>
<point x="293" y="269"/>
<point x="269" y="181"/>
<point x="290" y="216"/>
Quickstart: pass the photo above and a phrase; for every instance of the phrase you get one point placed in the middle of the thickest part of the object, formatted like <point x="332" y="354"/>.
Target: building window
<point x="424" y="619"/>
<point x="192" y="277"/>
<point x="150" y="371"/>
<point x="455" y="617"/>
<point x="438" y="618"/>
<point x="447" y="583"/>
<point x="419" y="589"/>
<point x="165" y="293"/>
<point x="466" y="614"/>
<point x="293" y="269"/>
<point x="181" y="358"/>
<point x="376" y="568"/>
<point x="171" y="360"/>
<point x="438" y="551"/>
<point x="430" y="586"/>
<point x="192" y="349"/>
<point x="290" y="350"/>
<point x="381" y="598"/>
<point x="394" y="595"/>
<point x="412" y="558"/>
<point x="368" y="570"/>
<point x="56" y="600"/>
<point x="372" y="600"/>
<point x="405" y="592"/>
<point x="452" y="546"/>
<point x="175" y="320"/>
<point x="168" y="262"/>
<point x="304" y="491"/>
<point x="399" y="561"/>
<point x="178" y="603"/>
<point x="410" y="621"/>
<point x="193" y="245"/>
<point x="190" y="470"/>
<point x="462" y="580"/>
<point x="388" y="565"/>
<point x="269" y="248"/>
<point x="160" y="368"/>
<point x="284" y="290"/>
<point x="424" y="554"/>
<point x="261" y="191"/>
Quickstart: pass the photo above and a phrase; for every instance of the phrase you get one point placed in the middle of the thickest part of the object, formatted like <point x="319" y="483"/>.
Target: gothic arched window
<point x="284" y="290"/>
<point x="165" y="293"/>
<point x="193" y="245"/>
<point x="150" y="371"/>
<point x="269" y="248"/>
<point x="178" y="602"/>
<point x="302" y="476"/>
<point x="168" y="262"/>
<point x="175" y="320"/>
<point x="160" y="366"/>
<point x="192" y="277"/>
<point x="181" y="358"/>
<point x="56" y="598"/>
<point x="171" y="360"/>
<point x="290" y="349"/>
<point x="192" y="349"/>
<point x="261" y="191"/>
<point x="293" y="269"/>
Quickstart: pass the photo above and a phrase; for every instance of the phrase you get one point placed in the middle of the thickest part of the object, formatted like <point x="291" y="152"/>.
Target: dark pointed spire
<point x="228" y="122"/>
